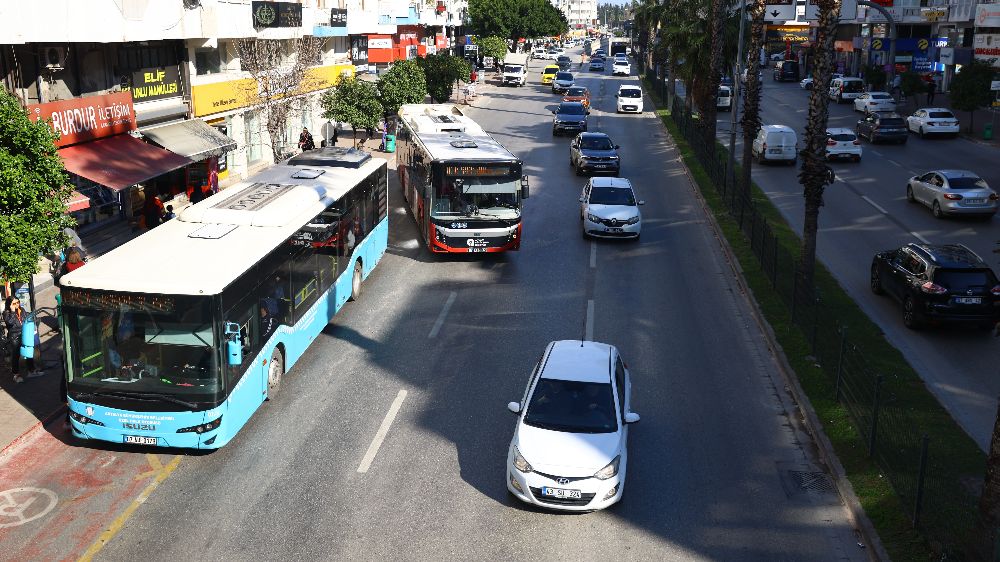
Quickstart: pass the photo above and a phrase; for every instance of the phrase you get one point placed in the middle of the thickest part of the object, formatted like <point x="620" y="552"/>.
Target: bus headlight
<point x="203" y="428"/>
<point x="80" y="418"/>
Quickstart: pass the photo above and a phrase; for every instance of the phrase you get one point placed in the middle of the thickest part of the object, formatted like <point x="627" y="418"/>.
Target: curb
<point x="55" y="414"/>
<point x="856" y="514"/>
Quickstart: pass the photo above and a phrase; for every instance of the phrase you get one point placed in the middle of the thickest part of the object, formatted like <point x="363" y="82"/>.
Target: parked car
<point x="879" y="126"/>
<point x="570" y="445"/>
<point x="874" y="101"/>
<point x="842" y="144"/>
<point x="724" y="101"/>
<point x="933" y="121"/>
<point x="846" y="89"/>
<point x="807" y="82"/>
<point x="629" y="99"/>
<point x="562" y="82"/>
<point x="594" y="153"/>
<point x="953" y="192"/>
<point x="549" y="73"/>
<point x="775" y="143"/>
<point x="580" y="94"/>
<point x="570" y="116"/>
<point x="938" y="283"/>
<point x="786" y="70"/>
<point x="609" y="209"/>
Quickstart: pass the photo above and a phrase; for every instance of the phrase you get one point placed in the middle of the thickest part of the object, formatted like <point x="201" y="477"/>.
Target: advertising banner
<point x="84" y="119"/>
<point x="150" y="84"/>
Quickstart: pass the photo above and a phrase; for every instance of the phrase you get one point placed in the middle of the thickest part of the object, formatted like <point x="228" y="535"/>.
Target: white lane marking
<point x="588" y="330"/>
<point x="873" y="151"/>
<point x="383" y="430"/>
<point x="593" y="254"/>
<point x="444" y="313"/>
<point x="919" y="237"/>
<point x="874" y="204"/>
<point x="893" y="162"/>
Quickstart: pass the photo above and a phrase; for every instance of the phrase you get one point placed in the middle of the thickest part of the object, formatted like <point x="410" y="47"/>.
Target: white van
<point x="846" y="89"/>
<point x="724" y="102"/>
<point x="775" y="143"/>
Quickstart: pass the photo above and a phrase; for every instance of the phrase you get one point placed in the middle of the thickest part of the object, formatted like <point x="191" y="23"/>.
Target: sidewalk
<point x="24" y="406"/>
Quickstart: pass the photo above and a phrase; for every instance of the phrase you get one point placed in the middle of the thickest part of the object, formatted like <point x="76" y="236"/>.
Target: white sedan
<point x="933" y="121"/>
<point x="870" y="102"/>
<point x="569" y="450"/>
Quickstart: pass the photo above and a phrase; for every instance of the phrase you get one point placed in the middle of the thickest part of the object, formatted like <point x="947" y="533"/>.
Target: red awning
<point x="120" y="161"/>
<point x="77" y="202"/>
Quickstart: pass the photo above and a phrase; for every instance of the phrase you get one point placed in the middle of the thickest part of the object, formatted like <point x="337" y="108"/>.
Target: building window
<point x="253" y="137"/>
<point x="207" y="61"/>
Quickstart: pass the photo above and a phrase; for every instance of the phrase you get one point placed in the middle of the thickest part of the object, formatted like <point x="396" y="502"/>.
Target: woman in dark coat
<point x="13" y="319"/>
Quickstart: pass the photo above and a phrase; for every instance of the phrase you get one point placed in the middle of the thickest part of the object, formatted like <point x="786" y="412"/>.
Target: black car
<point x="786" y="70"/>
<point x="883" y="126"/>
<point x="594" y="153"/>
<point x="564" y="62"/>
<point x="570" y="116"/>
<point x="947" y="283"/>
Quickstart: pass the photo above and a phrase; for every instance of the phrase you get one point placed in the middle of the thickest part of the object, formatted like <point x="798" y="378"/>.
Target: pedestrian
<point x="153" y="211"/>
<point x="336" y="132"/>
<point x="897" y="81"/>
<point x="169" y="214"/>
<point x="931" y="89"/>
<point x="13" y="319"/>
<point x="268" y="324"/>
<point x="74" y="261"/>
<point x="306" y="140"/>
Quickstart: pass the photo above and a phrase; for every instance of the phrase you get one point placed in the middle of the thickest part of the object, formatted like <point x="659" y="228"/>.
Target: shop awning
<point x="120" y="161"/>
<point x="77" y="202"/>
<point x="193" y="138"/>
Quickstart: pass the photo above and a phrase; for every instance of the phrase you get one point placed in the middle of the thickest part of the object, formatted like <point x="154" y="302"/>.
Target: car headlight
<point x="593" y="218"/>
<point x="608" y="471"/>
<point x="524" y="466"/>
<point x="632" y="220"/>
<point x="613" y="157"/>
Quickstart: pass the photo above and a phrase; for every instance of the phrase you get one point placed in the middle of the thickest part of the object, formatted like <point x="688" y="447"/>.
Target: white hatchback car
<point x="621" y="67"/>
<point x="609" y="209"/>
<point x="870" y="102"/>
<point x="933" y="121"/>
<point x="842" y="144"/>
<point x="629" y="99"/>
<point x="569" y="450"/>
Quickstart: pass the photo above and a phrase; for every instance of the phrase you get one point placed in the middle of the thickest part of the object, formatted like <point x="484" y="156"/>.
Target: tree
<point x="33" y="191"/>
<point x="988" y="520"/>
<point x="970" y="89"/>
<point x="404" y="82"/>
<point x="442" y="70"/>
<point x="278" y="78"/>
<point x="514" y="19"/>
<point x="875" y="76"/>
<point x="815" y="175"/>
<point x="492" y="46"/>
<point x="354" y="102"/>
<point x="751" y="92"/>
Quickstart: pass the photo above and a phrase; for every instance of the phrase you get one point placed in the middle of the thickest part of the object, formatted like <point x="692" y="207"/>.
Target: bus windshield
<point x="474" y="196"/>
<point x="133" y="344"/>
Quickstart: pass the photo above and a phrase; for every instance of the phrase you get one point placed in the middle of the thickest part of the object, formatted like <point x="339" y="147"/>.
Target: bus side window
<point x="305" y="281"/>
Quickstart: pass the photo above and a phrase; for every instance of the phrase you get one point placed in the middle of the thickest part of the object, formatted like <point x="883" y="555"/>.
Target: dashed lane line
<point x="383" y="430"/>
<point x="593" y="254"/>
<point x="444" y="314"/>
<point x="874" y="204"/>
<point x="588" y="330"/>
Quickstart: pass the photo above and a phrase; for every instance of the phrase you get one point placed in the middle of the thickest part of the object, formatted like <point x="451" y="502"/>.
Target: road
<point x="716" y="464"/>
<point x="866" y="212"/>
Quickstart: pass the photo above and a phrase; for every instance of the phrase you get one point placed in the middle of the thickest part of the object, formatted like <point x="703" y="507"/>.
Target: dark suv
<point x="883" y="126"/>
<point x="570" y="116"/>
<point x="937" y="284"/>
<point x="786" y="70"/>
<point x="594" y="153"/>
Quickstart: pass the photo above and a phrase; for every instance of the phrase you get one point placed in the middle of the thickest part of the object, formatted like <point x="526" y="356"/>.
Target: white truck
<point x="515" y="69"/>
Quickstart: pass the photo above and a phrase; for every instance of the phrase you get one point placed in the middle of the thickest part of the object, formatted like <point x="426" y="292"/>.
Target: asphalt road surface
<point x="866" y="212"/>
<point x="719" y="467"/>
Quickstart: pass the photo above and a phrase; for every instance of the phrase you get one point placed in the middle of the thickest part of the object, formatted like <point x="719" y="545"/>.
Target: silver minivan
<point x="775" y="143"/>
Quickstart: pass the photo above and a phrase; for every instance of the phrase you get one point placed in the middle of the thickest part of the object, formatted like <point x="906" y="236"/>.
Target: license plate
<point x="600" y="165"/>
<point x="975" y="201"/>
<point x="774" y="150"/>
<point x="561" y="493"/>
<point x="969" y="300"/>
<point x="613" y="229"/>
<point x="140" y="440"/>
<point x="477" y="250"/>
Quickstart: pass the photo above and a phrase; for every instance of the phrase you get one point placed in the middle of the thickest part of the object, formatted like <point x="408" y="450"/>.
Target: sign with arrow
<point x="780" y="10"/>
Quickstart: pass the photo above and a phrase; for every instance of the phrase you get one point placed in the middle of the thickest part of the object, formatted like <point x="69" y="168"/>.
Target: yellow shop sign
<point x="223" y="96"/>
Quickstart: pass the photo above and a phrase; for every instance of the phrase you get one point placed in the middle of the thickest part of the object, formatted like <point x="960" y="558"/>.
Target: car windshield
<point x="967" y="182"/>
<point x="577" y="92"/>
<point x="723" y="93"/>
<point x="564" y="76"/>
<point x="941" y="115"/>
<point x="630" y="93"/>
<point x="604" y="195"/>
<point x="596" y="143"/>
<point x="572" y="406"/>
<point x="571" y="109"/>
<point x="881" y="96"/>
<point x="551" y="70"/>
<point x="961" y="280"/>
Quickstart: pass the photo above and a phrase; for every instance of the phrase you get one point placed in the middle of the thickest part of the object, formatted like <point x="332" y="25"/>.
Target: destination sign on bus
<point x="477" y="170"/>
<point x="117" y="301"/>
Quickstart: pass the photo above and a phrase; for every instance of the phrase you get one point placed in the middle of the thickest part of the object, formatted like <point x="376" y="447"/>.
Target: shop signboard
<point x="359" y="53"/>
<point x="988" y="15"/>
<point x="380" y="43"/>
<point x="338" y="17"/>
<point x="946" y="55"/>
<point x="779" y="10"/>
<point x="276" y="14"/>
<point x="441" y="41"/>
<point x="84" y="119"/>
<point x="150" y="84"/>
<point x="986" y="48"/>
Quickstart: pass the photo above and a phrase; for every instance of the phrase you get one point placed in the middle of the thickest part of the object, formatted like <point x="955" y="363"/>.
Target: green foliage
<point x="492" y="46"/>
<point x="354" y="102"/>
<point x="875" y="77"/>
<point x="33" y="189"/>
<point x="911" y="83"/>
<point x="403" y="83"/>
<point x="970" y="89"/>
<point x="442" y="70"/>
<point x="514" y="19"/>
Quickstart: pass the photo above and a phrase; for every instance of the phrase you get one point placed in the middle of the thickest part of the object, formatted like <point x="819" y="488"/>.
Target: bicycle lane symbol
<point x="23" y="505"/>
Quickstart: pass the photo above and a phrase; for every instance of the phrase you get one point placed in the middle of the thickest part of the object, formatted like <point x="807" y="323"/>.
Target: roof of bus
<point x="449" y="134"/>
<point x="215" y="241"/>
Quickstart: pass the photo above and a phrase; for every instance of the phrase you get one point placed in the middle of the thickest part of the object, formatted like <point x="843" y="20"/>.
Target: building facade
<point x="580" y="14"/>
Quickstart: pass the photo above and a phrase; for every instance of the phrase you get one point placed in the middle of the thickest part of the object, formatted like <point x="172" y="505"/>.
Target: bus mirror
<point x="234" y="348"/>
<point x="28" y="333"/>
<point x="524" y="187"/>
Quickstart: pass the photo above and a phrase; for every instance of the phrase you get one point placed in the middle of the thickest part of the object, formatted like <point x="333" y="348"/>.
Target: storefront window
<point x="207" y="61"/>
<point x="253" y="141"/>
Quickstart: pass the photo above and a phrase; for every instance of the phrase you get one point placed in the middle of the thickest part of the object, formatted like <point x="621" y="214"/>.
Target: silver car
<point x="953" y="192"/>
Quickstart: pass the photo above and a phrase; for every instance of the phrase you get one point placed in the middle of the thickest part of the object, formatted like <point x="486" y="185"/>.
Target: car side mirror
<point x="234" y="347"/>
<point x="641" y="202"/>
<point x="524" y="187"/>
<point x="631" y="417"/>
<point x="514" y="407"/>
<point x="617" y="147"/>
<point x="588" y="112"/>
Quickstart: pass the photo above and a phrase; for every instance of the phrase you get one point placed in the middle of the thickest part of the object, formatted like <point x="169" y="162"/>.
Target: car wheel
<point x="857" y="158"/>
<point x="910" y="314"/>
<point x="909" y="194"/>
<point x="876" y="282"/>
<point x="840" y="99"/>
<point x="356" y="282"/>
<point x="936" y="211"/>
<point x="903" y="141"/>
<point x="579" y="171"/>
<point x="553" y="132"/>
<point x="922" y="134"/>
<point x="793" y="162"/>
<point x="274" y="373"/>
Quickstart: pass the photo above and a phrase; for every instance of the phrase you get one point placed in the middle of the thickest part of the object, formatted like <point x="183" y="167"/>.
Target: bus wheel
<point x="356" y="282"/>
<point x="274" y="373"/>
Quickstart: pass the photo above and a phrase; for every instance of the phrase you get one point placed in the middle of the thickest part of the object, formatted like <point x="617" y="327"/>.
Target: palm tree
<point x="815" y="175"/>
<point x="751" y="92"/>
<point x="709" y="109"/>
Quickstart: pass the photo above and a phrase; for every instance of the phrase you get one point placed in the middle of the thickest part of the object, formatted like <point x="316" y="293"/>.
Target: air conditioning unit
<point x="55" y="58"/>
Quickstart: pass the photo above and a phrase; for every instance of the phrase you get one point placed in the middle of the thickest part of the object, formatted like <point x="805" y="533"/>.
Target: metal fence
<point x="938" y="505"/>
